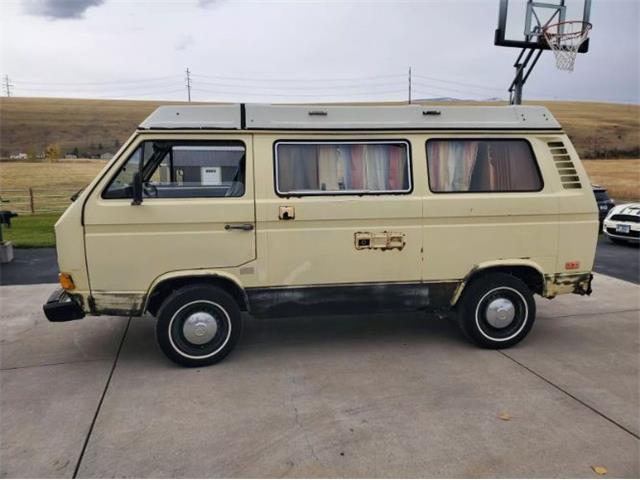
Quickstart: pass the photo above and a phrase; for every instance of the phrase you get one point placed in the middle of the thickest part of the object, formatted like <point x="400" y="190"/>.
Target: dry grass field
<point x="598" y="130"/>
<point x="620" y="177"/>
<point x="33" y="123"/>
<point x="43" y="187"/>
<point x="63" y="175"/>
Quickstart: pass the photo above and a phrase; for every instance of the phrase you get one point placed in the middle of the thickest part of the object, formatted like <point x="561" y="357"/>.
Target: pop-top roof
<point x="311" y="117"/>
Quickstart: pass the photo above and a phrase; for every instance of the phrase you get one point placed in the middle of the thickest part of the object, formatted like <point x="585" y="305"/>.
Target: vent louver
<point x="568" y="174"/>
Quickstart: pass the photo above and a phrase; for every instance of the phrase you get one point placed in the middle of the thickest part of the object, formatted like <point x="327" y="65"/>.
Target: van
<point x="210" y="211"/>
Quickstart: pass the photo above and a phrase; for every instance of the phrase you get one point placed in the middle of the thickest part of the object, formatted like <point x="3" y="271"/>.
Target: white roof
<point x="311" y="117"/>
<point x="194" y="116"/>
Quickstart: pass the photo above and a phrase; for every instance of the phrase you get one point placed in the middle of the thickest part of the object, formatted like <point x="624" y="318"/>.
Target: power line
<point x="299" y="87"/>
<point x="398" y="90"/>
<point x="305" y="80"/>
<point x="464" y="84"/>
<point x="104" y="82"/>
<point x="295" y="88"/>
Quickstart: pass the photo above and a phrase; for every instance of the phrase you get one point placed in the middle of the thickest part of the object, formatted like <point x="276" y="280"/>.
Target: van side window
<point x="313" y="168"/>
<point x="495" y="165"/>
<point x="183" y="169"/>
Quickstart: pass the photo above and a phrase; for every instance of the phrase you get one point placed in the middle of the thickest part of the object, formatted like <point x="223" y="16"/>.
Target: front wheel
<point x="496" y="310"/>
<point x="198" y="325"/>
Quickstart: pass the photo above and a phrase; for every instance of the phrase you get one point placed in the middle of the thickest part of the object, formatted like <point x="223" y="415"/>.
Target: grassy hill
<point x="598" y="130"/>
<point x="33" y="123"/>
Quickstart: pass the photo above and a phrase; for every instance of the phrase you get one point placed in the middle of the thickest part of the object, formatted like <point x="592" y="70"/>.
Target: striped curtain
<point x="451" y="163"/>
<point x="342" y="167"/>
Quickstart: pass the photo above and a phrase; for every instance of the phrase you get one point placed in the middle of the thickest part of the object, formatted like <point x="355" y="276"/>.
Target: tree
<point x="52" y="152"/>
<point x="100" y="146"/>
<point x="76" y="152"/>
<point x="116" y="144"/>
<point x="31" y="153"/>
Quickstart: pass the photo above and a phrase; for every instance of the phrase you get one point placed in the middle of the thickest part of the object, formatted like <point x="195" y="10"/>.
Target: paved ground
<point x="30" y="266"/>
<point x="38" y="265"/>
<point x="620" y="261"/>
<point x="381" y="396"/>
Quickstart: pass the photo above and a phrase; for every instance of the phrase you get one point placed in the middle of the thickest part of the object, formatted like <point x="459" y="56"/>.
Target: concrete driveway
<point x="380" y="396"/>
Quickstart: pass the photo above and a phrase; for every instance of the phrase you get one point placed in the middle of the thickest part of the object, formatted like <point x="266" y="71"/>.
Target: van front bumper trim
<point x="60" y="307"/>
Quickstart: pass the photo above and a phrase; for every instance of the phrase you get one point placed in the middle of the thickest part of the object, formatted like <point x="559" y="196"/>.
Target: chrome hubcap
<point x="500" y="312"/>
<point x="200" y="328"/>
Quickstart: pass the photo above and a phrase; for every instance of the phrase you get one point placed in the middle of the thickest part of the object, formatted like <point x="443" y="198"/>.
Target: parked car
<point x="622" y="224"/>
<point x="604" y="202"/>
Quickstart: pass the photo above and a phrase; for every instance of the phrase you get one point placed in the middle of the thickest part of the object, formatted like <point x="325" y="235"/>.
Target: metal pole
<point x="409" y="85"/>
<point x="188" y="84"/>
<point x="7" y="85"/>
<point x="517" y="86"/>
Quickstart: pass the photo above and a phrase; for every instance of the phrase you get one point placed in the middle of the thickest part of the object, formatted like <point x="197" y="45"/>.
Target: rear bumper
<point x="61" y="307"/>
<point x="561" y="283"/>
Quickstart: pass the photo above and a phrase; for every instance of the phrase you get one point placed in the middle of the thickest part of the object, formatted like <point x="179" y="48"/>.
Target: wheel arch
<point x="526" y="270"/>
<point x="168" y="282"/>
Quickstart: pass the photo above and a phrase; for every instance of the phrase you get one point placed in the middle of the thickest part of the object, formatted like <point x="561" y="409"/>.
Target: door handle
<point x="239" y="226"/>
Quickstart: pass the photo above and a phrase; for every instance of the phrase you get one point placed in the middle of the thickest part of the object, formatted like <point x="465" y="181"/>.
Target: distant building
<point x="19" y="156"/>
<point x="106" y="156"/>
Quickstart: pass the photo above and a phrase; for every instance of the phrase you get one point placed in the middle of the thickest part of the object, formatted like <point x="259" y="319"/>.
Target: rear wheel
<point x="198" y="325"/>
<point x="496" y="310"/>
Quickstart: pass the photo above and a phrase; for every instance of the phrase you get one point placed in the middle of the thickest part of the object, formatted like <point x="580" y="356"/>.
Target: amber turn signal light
<point x="65" y="281"/>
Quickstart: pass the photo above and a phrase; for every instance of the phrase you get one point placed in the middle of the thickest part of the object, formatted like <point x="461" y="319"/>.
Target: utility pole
<point x="188" y="84"/>
<point x="409" y="85"/>
<point x="7" y="86"/>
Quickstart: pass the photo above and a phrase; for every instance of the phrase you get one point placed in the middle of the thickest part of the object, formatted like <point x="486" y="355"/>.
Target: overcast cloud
<point x="55" y="9"/>
<point x="312" y="51"/>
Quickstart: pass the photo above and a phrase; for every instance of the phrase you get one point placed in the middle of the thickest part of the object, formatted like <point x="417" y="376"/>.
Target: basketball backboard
<point x="520" y="22"/>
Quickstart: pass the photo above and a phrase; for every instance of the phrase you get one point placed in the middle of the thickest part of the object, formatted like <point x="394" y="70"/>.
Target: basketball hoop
<point x="565" y="39"/>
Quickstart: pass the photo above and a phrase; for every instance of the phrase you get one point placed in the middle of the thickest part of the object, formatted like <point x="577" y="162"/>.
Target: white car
<point x="622" y="223"/>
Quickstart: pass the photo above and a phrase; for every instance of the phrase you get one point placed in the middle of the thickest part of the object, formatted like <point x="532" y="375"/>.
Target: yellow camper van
<point x="210" y="211"/>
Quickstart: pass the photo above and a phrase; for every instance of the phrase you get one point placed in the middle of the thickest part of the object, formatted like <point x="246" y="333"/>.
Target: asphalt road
<point x="619" y="261"/>
<point x="38" y="265"/>
<point x="30" y="266"/>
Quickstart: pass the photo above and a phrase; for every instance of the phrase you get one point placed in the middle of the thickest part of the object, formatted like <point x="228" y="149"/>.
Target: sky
<point x="298" y="51"/>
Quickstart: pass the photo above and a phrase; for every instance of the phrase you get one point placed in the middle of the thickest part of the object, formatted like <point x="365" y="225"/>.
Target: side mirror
<point x="136" y="189"/>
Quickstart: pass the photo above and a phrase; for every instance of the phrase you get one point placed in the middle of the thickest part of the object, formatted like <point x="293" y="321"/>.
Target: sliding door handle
<point x="239" y="226"/>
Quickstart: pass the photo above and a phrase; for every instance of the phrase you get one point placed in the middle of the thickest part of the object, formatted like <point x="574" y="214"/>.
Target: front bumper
<point x="633" y="235"/>
<point x="61" y="307"/>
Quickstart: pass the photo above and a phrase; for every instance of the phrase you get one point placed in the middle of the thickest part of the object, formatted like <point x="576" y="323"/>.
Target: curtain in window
<point x="356" y="164"/>
<point x="512" y="168"/>
<point x="328" y="174"/>
<point x="451" y="163"/>
<point x="396" y="168"/>
<point x="376" y="167"/>
<point x="481" y="166"/>
<point x="340" y="167"/>
<point x="297" y="168"/>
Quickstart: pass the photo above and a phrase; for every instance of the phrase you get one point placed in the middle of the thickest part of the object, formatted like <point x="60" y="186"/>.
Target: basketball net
<point x="565" y="39"/>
